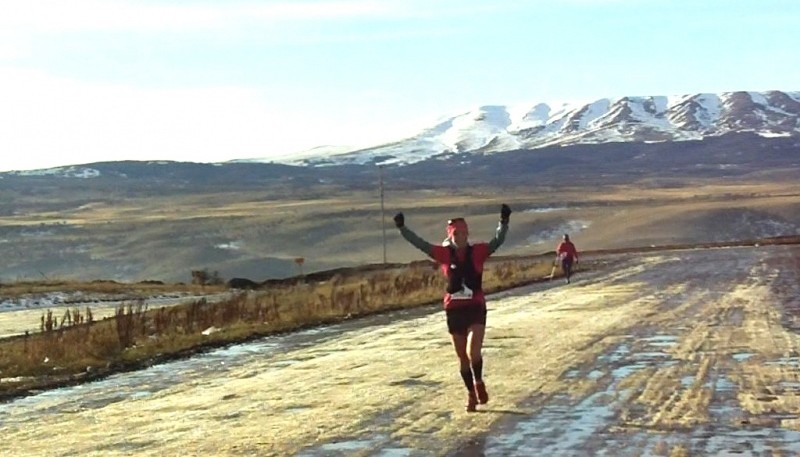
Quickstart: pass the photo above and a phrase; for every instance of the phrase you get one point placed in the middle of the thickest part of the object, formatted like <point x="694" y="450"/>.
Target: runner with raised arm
<point x="464" y="300"/>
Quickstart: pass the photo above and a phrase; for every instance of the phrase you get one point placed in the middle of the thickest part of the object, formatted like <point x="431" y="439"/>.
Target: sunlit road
<point x="673" y="353"/>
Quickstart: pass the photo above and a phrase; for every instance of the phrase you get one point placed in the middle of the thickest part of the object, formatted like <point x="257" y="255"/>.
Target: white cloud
<point x="103" y="15"/>
<point x="45" y="120"/>
<point x="54" y="16"/>
<point x="11" y="47"/>
<point x="48" y="121"/>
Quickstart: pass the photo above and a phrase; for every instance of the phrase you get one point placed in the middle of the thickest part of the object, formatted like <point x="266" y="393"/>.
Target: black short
<point x="459" y="320"/>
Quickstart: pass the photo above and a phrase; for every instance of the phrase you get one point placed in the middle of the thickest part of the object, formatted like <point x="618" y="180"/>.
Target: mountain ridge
<point x="500" y="128"/>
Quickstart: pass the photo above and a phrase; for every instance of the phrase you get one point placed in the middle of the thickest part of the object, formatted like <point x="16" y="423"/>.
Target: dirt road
<point x="675" y="353"/>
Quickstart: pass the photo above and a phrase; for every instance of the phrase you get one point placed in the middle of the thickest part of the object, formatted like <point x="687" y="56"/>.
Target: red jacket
<point x="566" y="250"/>
<point x="441" y="254"/>
<point x="480" y="252"/>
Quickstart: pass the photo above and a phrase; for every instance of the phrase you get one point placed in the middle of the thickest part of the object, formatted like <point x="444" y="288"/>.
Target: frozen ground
<point x="673" y="353"/>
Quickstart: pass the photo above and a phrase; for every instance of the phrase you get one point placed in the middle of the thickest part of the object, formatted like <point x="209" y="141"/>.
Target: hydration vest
<point x="460" y="274"/>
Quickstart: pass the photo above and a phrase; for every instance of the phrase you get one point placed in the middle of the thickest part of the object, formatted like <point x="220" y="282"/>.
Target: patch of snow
<point x="553" y="235"/>
<point x="544" y="209"/>
<point x="299" y="156"/>
<point x="593" y="111"/>
<point x="36" y="233"/>
<point x="66" y="172"/>
<point x="81" y="299"/>
<point x="16" y="379"/>
<point x="661" y="104"/>
<point x="769" y="134"/>
<point x="710" y="109"/>
<point x="475" y="129"/>
<point x="758" y="98"/>
<point x="231" y="245"/>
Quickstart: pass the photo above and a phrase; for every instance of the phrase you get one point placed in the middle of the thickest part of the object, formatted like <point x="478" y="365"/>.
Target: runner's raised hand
<point x="505" y="213"/>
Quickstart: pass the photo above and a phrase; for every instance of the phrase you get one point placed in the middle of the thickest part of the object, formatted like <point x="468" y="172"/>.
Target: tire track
<point x="680" y="383"/>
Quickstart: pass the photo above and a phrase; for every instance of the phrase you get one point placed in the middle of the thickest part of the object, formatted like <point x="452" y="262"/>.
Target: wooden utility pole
<point x="383" y="212"/>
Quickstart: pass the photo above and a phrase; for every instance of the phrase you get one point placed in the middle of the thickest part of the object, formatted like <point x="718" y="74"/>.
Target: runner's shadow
<point x="474" y="447"/>
<point x="503" y="411"/>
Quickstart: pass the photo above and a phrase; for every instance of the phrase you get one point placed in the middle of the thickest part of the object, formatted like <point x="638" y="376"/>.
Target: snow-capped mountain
<point x="489" y="131"/>
<point x="72" y="171"/>
<point x="493" y="129"/>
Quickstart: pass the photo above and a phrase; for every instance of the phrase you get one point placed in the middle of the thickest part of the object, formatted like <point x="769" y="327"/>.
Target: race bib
<point x="464" y="294"/>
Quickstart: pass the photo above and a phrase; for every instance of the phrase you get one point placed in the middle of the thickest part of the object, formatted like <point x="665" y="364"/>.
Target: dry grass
<point x="76" y="348"/>
<point x="258" y="234"/>
<point x="335" y="231"/>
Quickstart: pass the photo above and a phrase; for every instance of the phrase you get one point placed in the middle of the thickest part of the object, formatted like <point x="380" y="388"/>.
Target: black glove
<point x="505" y="213"/>
<point x="399" y="220"/>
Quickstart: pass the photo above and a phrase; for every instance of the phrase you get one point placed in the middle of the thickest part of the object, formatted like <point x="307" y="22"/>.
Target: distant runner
<point x="566" y="254"/>
<point x="464" y="300"/>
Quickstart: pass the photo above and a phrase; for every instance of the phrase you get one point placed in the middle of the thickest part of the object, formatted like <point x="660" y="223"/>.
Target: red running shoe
<point x="472" y="402"/>
<point x="480" y="392"/>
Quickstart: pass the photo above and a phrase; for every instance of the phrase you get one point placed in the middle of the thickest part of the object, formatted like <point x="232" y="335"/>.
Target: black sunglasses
<point x="453" y="221"/>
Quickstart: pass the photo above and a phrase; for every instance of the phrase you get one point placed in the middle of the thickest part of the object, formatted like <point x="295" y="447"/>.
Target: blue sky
<point x="91" y="80"/>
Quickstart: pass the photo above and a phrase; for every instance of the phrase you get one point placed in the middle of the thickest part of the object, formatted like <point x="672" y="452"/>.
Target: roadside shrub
<point x="205" y="278"/>
<point x="135" y="334"/>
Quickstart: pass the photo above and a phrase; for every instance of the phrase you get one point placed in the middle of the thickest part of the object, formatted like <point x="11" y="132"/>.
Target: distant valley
<point x="134" y="221"/>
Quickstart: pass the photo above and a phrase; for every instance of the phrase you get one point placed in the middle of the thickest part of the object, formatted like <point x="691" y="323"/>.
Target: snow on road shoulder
<point x="70" y="299"/>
